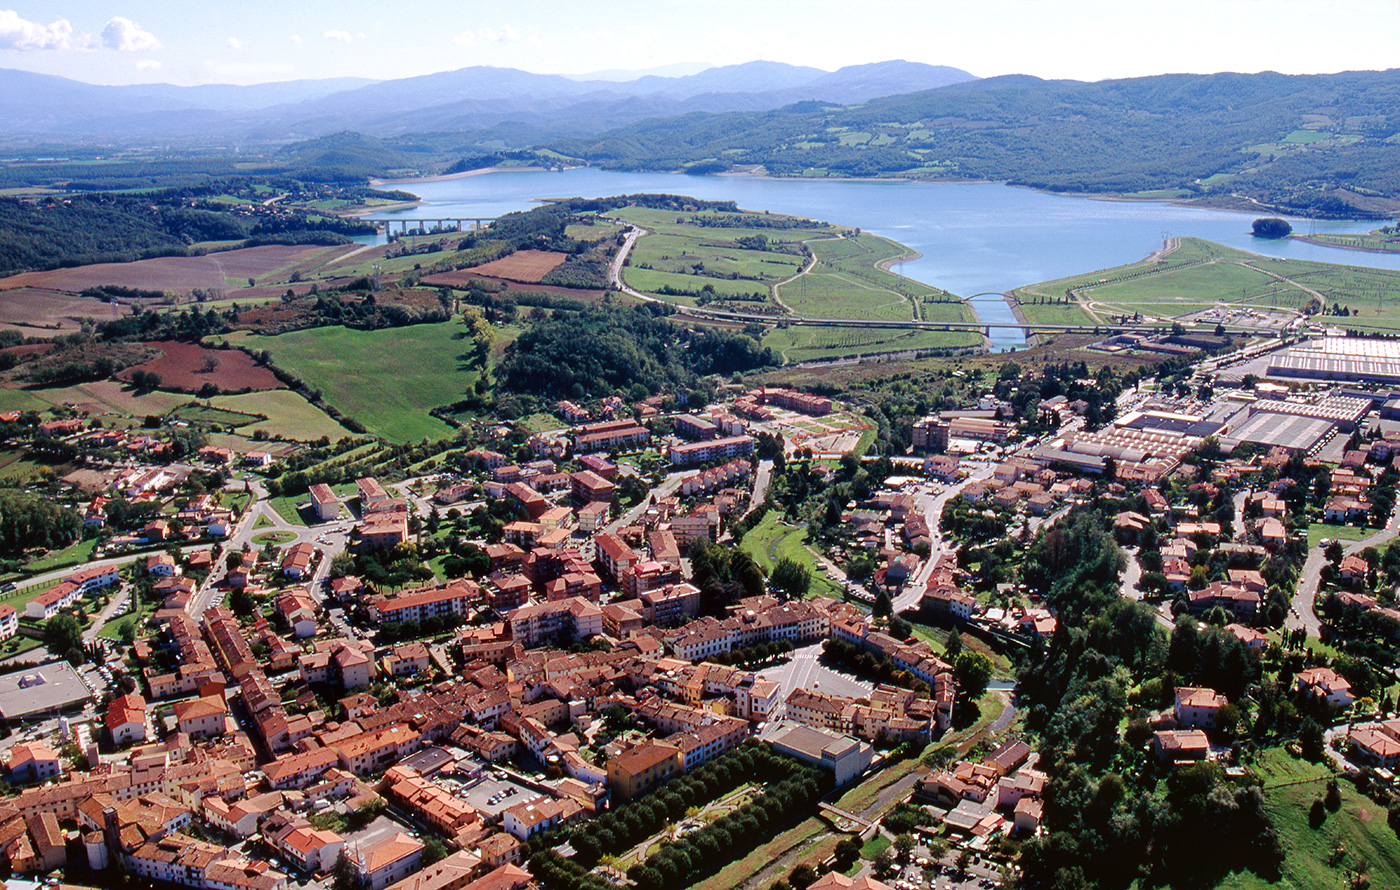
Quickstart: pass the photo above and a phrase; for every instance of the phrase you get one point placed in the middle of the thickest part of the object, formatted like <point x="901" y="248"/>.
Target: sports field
<point x="388" y="379"/>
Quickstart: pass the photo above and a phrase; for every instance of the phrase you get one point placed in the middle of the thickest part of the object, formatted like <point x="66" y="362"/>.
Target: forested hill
<point x="1316" y="143"/>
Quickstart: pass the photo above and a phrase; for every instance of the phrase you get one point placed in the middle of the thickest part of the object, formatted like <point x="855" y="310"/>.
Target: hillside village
<point x="525" y="667"/>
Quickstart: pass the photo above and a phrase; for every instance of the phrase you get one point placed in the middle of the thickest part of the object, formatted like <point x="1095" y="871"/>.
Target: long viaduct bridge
<point x="404" y="226"/>
<point x="983" y="327"/>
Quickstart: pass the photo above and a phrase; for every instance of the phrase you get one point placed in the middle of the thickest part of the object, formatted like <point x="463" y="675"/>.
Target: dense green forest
<point x="1109" y="821"/>
<point x="1293" y="140"/>
<point x="607" y="349"/>
<point x="29" y="521"/>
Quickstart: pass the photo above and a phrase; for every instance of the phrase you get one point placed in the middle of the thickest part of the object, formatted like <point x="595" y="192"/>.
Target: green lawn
<point x="136" y="618"/>
<point x="74" y="555"/>
<point x="386" y="379"/>
<point x="1318" y="530"/>
<point x="273" y="537"/>
<point x="286" y="507"/>
<point x="1290" y="787"/>
<point x="772" y="540"/>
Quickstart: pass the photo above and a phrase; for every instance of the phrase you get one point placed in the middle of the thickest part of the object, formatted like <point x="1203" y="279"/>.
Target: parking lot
<point x="490" y="794"/>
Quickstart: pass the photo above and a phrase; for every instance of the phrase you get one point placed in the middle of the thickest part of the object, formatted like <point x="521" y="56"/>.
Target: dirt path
<point x="811" y="264"/>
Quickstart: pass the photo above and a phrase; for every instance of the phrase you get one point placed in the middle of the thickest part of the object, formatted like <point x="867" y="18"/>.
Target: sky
<point x="254" y="41"/>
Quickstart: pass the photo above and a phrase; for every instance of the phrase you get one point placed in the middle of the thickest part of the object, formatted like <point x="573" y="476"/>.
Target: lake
<point x="976" y="238"/>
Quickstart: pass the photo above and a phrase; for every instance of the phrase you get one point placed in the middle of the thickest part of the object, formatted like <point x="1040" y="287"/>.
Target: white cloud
<point x="25" y="36"/>
<point x="148" y="65"/>
<point x="234" y="43"/>
<point x="339" y="36"/>
<point x="124" y="35"/>
<point x="296" y="38"/>
<point x="503" y="34"/>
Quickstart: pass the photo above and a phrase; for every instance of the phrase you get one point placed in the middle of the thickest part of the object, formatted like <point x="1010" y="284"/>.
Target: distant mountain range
<point x="39" y="108"/>
<point x="1324" y="144"/>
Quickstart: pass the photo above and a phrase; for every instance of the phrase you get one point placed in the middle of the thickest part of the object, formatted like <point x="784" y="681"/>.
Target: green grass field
<point x="196" y="412"/>
<point x="1319" y="530"/>
<point x="808" y="342"/>
<point x="385" y="379"/>
<point x="288" y="415"/>
<point x="772" y="540"/>
<point x="849" y="279"/>
<point x="73" y="555"/>
<point x="1377" y="239"/>
<point x="1054" y="313"/>
<point x="1359" y="828"/>
<point x="1199" y="274"/>
<point x="22" y="400"/>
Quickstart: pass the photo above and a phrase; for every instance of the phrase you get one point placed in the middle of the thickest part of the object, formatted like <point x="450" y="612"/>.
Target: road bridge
<point x="405" y="226"/>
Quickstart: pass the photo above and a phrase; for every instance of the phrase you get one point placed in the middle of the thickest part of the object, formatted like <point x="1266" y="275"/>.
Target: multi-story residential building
<point x="728" y="448"/>
<point x="635" y="772"/>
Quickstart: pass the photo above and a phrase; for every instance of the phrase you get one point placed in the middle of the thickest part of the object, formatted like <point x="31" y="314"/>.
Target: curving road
<point x="635" y="232"/>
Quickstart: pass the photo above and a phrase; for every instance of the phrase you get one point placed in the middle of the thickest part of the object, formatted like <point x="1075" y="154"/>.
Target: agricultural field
<point x="109" y="398"/>
<point x="190" y="366"/>
<point x="289" y="416"/>
<point x="406" y="254"/>
<point x="222" y="271"/>
<point x="207" y="413"/>
<point x="386" y="379"/>
<point x="800" y="343"/>
<point x="1198" y="274"/>
<point x="16" y="469"/>
<point x="807" y="268"/>
<point x="733" y="259"/>
<point x="41" y="312"/>
<point x="1382" y="240"/>
<point x="523" y="265"/>
<point x="22" y="400"/>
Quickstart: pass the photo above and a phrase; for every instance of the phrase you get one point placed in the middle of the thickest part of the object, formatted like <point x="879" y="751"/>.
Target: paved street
<point x="1300" y="611"/>
<point x="932" y="503"/>
<point x="760" y="485"/>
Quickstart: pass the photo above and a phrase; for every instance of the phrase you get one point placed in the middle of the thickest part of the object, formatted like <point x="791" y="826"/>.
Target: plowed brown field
<point x="223" y="270"/>
<point x="523" y="265"/>
<point x="183" y="366"/>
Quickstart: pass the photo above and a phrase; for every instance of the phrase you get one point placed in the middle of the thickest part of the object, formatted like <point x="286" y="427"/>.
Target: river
<point x="975" y="238"/>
